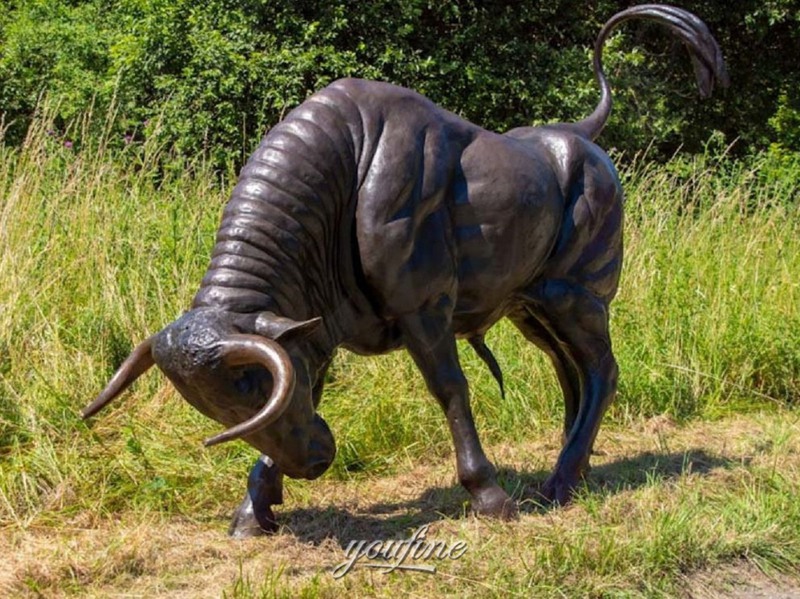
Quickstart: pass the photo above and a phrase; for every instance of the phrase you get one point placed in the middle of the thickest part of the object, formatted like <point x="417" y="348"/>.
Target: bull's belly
<point x="467" y="324"/>
<point x="376" y="335"/>
<point x="387" y="336"/>
<point x="478" y="308"/>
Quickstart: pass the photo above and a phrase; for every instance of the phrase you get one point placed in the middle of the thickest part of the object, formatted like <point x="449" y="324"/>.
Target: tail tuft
<point x="709" y="67"/>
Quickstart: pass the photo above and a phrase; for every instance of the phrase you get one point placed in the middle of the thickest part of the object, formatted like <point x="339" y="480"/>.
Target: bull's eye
<point x="245" y="382"/>
<point x="251" y="381"/>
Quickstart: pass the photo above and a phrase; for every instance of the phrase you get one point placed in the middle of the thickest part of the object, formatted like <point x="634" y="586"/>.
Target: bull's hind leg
<point x="431" y="343"/>
<point x="578" y="320"/>
<point x="568" y="376"/>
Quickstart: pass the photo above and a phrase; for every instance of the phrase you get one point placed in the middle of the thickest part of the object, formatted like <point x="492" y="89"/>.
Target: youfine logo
<point x="395" y="554"/>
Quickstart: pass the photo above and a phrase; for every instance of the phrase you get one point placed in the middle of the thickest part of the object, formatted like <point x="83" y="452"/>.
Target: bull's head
<point x="246" y="372"/>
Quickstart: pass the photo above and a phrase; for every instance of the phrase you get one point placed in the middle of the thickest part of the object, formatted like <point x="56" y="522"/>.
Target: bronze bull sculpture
<point x="372" y="219"/>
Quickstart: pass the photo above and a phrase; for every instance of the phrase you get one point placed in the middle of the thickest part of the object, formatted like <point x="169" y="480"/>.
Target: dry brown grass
<point x="638" y="474"/>
<point x="740" y="580"/>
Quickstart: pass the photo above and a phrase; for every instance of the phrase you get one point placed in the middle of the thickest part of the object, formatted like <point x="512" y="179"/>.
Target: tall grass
<point x="706" y="320"/>
<point x="104" y="244"/>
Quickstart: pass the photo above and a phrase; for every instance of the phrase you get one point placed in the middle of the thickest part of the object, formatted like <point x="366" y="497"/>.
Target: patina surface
<point x="372" y="219"/>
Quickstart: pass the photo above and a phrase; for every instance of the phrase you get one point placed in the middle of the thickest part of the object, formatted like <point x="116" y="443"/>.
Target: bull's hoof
<point x="246" y="523"/>
<point x="494" y="502"/>
<point x="559" y="488"/>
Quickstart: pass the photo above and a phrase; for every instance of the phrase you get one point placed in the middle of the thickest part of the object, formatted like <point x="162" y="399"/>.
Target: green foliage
<point x="221" y="72"/>
<point x="786" y="120"/>
<point x="56" y="47"/>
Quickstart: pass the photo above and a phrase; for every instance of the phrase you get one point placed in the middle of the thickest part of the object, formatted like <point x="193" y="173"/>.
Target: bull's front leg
<point x="254" y="515"/>
<point x="431" y="343"/>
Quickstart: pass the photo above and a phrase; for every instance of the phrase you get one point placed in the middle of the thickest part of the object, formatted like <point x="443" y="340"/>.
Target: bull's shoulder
<point x="358" y="88"/>
<point x="378" y="93"/>
<point x="376" y="99"/>
<point x="389" y="102"/>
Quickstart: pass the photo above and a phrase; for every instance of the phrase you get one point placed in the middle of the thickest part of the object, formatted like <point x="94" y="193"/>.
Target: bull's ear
<point x="283" y="329"/>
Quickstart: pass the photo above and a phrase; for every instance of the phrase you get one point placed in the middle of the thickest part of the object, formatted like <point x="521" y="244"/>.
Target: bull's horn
<point x="140" y="360"/>
<point x="240" y="350"/>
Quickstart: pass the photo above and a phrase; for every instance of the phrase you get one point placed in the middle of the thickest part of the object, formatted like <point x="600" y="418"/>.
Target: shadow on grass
<point x="391" y="520"/>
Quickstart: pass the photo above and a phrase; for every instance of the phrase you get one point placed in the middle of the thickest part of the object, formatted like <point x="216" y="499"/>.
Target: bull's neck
<point x="284" y="242"/>
<point x="267" y="258"/>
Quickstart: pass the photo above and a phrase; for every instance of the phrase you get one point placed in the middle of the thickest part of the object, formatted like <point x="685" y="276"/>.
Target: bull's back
<point x="445" y="208"/>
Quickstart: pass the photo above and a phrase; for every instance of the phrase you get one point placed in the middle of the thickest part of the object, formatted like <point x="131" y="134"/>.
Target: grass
<point x="660" y="515"/>
<point x="103" y="244"/>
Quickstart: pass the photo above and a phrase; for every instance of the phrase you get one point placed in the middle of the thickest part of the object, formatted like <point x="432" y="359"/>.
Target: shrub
<point x="221" y="72"/>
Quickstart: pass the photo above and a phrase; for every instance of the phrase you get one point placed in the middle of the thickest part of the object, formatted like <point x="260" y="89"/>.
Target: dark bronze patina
<point x="372" y="219"/>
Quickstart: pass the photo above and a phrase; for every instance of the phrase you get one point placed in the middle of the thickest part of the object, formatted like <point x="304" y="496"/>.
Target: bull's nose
<point x="317" y="469"/>
<point x="321" y="456"/>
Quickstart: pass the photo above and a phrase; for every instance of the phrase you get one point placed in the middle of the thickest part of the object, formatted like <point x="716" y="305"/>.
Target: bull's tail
<point x="703" y="49"/>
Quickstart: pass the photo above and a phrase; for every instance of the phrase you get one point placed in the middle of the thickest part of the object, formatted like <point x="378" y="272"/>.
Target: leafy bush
<point x="220" y="72"/>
